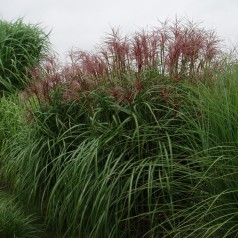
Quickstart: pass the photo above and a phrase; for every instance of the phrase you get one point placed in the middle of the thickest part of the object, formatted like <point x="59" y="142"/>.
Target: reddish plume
<point x="179" y="50"/>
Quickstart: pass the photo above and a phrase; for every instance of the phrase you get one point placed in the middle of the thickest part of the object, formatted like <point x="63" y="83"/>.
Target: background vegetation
<point x="22" y="46"/>
<point x="137" y="139"/>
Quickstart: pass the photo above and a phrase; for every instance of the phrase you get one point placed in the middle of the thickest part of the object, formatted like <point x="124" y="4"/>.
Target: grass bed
<point x="136" y="140"/>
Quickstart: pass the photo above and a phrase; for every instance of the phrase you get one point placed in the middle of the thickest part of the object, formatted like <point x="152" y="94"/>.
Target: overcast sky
<point x="83" y="23"/>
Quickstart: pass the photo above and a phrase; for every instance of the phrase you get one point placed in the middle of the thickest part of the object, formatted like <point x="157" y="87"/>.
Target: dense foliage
<point x="22" y="46"/>
<point x="138" y="139"/>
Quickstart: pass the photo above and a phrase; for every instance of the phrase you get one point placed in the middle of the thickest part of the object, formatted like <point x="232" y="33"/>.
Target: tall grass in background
<point x="22" y="46"/>
<point x="216" y="105"/>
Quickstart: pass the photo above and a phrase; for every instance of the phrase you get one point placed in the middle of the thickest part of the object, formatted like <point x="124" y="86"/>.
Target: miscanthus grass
<point x="112" y="171"/>
<point x="136" y="140"/>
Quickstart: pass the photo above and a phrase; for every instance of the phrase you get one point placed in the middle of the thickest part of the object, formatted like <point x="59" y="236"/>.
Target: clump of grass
<point x="117" y="146"/>
<point x="109" y="171"/>
<point x="22" y="46"/>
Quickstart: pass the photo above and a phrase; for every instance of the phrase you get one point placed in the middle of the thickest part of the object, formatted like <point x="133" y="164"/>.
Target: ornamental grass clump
<point x="112" y="171"/>
<point x="110" y="148"/>
<point x="22" y="46"/>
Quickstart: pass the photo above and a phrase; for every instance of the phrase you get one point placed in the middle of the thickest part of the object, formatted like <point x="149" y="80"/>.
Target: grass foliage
<point x="14" y="222"/>
<point x="136" y="140"/>
<point x="11" y="116"/>
<point x="21" y="48"/>
<point x="115" y="163"/>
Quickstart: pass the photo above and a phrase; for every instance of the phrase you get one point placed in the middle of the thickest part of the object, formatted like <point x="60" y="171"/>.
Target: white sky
<point x="83" y="23"/>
